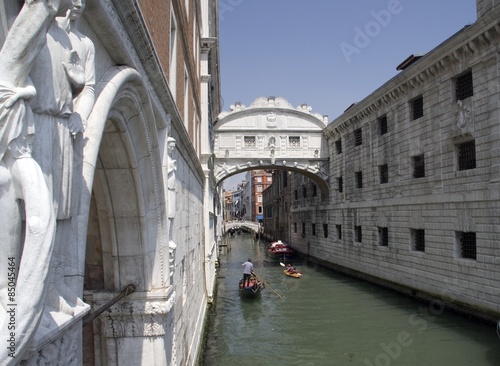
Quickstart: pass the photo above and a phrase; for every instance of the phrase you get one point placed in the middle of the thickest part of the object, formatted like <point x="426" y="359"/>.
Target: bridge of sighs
<point x="271" y="134"/>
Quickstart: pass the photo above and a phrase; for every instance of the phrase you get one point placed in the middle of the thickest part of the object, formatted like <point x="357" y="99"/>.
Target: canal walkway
<point x="326" y="318"/>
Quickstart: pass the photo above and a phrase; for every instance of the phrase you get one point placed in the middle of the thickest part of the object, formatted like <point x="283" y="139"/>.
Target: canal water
<point x="326" y="318"/>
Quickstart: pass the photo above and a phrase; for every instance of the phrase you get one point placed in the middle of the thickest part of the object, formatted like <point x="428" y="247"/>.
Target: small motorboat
<point x="279" y="249"/>
<point x="253" y="289"/>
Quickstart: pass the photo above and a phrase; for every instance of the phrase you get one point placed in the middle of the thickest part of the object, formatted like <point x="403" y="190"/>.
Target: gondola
<point x="254" y="289"/>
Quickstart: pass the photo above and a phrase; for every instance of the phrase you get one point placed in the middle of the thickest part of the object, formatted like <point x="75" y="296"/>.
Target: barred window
<point x="464" y="87"/>
<point x="293" y="141"/>
<point x="358" y="137"/>
<point x="249" y="141"/>
<point x="418" y="166"/>
<point x="358" y="234"/>
<point x="383" y="236"/>
<point x="339" y="231"/>
<point x="303" y="229"/>
<point x="417" y="107"/>
<point x="314" y="229"/>
<point x="325" y="230"/>
<point x="315" y="190"/>
<point x="418" y="239"/>
<point x="340" y="184"/>
<point x="384" y="173"/>
<point x="466" y="155"/>
<point x="382" y="125"/>
<point x="467" y="245"/>
<point x="294" y="227"/>
<point x="338" y="146"/>
<point x="296" y="194"/>
<point x="358" y="177"/>
<point x="304" y="191"/>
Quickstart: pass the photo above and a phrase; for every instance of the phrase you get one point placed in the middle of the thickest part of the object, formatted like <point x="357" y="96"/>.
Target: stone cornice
<point x="469" y="41"/>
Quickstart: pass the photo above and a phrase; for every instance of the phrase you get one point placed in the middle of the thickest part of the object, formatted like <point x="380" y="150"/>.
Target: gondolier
<point x="247" y="271"/>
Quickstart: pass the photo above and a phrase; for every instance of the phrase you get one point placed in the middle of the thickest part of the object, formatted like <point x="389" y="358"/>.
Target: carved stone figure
<point x="171" y="169"/>
<point x="24" y="265"/>
<point x="64" y="71"/>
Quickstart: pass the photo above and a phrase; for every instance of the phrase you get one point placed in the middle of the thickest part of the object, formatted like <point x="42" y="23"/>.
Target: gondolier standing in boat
<point x="247" y="271"/>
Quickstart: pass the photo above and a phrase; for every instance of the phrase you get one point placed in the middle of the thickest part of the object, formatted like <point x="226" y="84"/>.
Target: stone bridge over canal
<point x="271" y="134"/>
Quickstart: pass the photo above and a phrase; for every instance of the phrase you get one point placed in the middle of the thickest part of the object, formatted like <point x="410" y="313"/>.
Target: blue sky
<point x="326" y="53"/>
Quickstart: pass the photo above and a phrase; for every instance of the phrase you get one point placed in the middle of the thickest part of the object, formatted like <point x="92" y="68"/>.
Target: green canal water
<point x="326" y="318"/>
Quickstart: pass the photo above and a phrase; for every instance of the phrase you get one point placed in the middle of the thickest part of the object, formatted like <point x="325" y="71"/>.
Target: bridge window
<point x="418" y="163"/>
<point x="339" y="231"/>
<point x="358" y="176"/>
<point x="467" y="242"/>
<point x="383" y="236"/>
<point x="314" y="229"/>
<point x="382" y="125"/>
<point x="417" y="107"/>
<point x="358" y="137"/>
<point x="249" y="141"/>
<point x="338" y="146"/>
<point x="325" y="230"/>
<point x="358" y="234"/>
<point x="463" y="86"/>
<point x="466" y="155"/>
<point x="418" y="239"/>
<point x="293" y="141"/>
<point x="383" y="173"/>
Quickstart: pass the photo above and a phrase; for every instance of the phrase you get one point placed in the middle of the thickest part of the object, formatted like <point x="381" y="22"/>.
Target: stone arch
<point x="124" y="201"/>
<point x="271" y="134"/>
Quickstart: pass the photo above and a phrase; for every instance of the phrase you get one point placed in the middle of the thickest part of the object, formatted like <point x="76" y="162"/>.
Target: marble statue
<point x="171" y="208"/>
<point x="26" y="253"/>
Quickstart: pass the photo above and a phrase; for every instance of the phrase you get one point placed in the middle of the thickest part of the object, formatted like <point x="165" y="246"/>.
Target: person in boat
<point x="290" y="269"/>
<point x="247" y="272"/>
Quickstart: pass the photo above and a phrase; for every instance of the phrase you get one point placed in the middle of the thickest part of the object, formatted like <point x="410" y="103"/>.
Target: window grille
<point x="315" y="190"/>
<point x="249" y="141"/>
<point x="418" y="237"/>
<point x="383" y="233"/>
<point x="340" y="184"/>
<point x="468" y="245"/>
<point x="294" y="141"/>
<point x="418" y="166"/>
<point x="314" y="229"/>
<point x="304" y="191"/>
<point x="358" y="137"/>
<point x="294" y="227"/>
<point x="296" y="194"/>
<point x="325" y="230"/>
<point x="464" y="87"/>
<point x="303" y="229"/>
<point x="358" y="234"/>
<point x="382" y="125"/>
<point x="418" y="107"/>
<point x="359" y="179"/>
<point x="339" y="231"/>
<point x="467" y="155"/>
<point x="384" y="173"/>
<point x="338" y="146"/>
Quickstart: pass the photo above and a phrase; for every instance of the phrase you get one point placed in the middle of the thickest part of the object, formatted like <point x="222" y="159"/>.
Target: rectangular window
<point x="315" y="190"/>
<point x="338" y="146"/>
<point x="304" y="192"/>
<point x="259" y="179"/>
<point x="296" y="194"/>
<point x="467" y="242"/>
<point x="464" y="87"/>
<point x="259" y="199"/>
<point x="383" y="173"/>
<point x="382" y="125"/>
<point x="173" y="56"/>
<point x="358" y="137"/>
<point x="418" y="164"/>
<point x="466" y="155"/>
<point x="340" y="184"/>
<point x="417" y="107"/>
<point x="293" y="141"/>
<point x="294" y="227"/>
<point x="259" y="188"/>
<point x="249" y="141"/>
<point x="325" y="230"/>
<point x="314" y="229"/>
<point x="358" y="235"/>
<point x="339" y="231"/>
<point x="260" y="209"/>
<point x="418" y="240"/>
<point x="383" y="236"/>
<point x="358" y="177"/>
<point x="303" y="229"/>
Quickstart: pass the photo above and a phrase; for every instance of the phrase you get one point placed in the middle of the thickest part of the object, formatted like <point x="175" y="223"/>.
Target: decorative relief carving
<point x="464" y="115"/>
